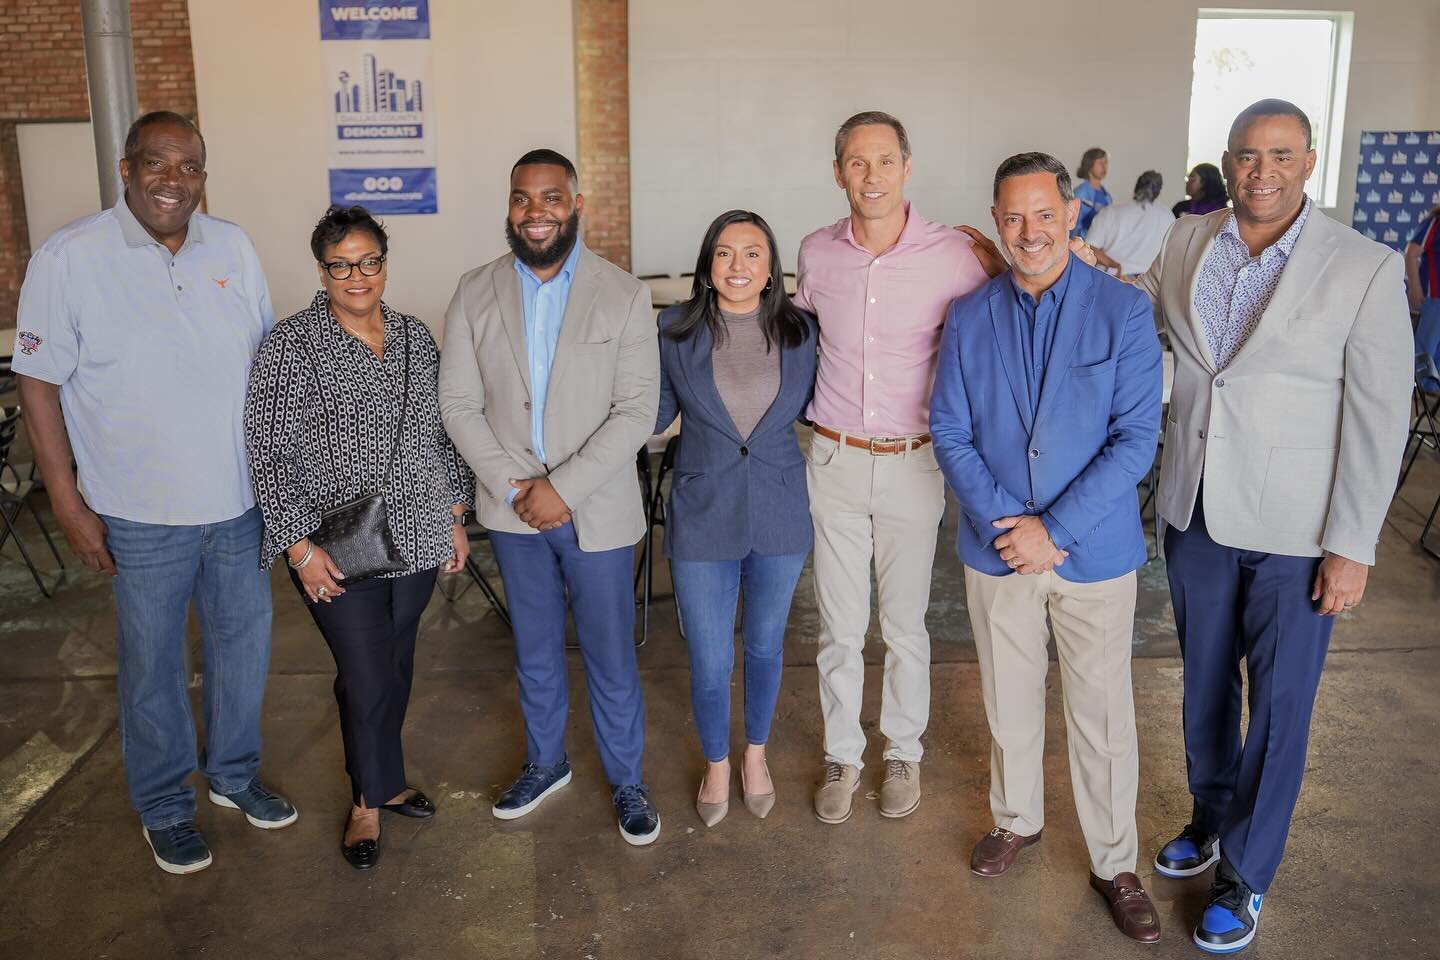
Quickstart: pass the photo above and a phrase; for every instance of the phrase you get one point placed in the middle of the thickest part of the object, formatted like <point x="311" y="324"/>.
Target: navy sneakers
<point x="1188" y="855"/>
<point x="1232" y="916"/>
<point x="178" y="849"/>
<point x="639" y="820"/>
<point x="534" y="784"/>
<point x="263" y="807"/>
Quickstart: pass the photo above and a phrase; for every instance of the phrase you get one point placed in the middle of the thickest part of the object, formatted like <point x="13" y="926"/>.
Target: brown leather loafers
<point x="997" y="850"/>
<point x="1130" y="906"/>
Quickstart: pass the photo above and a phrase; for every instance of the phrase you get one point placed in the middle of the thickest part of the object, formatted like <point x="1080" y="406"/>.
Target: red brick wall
<point x="42" y="74"/>
<point x="602" y="113"/>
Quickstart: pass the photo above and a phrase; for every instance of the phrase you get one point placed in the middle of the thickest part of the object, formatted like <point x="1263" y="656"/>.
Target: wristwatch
<point x="459" y="519"/>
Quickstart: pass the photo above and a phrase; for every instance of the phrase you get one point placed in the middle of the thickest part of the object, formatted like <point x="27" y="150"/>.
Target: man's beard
<point x="550" y="254"/>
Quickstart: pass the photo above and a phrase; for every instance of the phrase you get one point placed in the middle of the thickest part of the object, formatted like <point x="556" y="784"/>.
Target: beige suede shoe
<point x="837" y="788"/>
<point x="900" y="790"/>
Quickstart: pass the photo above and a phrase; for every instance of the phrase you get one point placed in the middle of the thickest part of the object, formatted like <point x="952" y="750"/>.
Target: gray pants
<point x="886" y="508"/>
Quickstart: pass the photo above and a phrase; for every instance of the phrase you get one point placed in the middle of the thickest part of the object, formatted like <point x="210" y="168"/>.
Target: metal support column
<point x="110" y="69"/>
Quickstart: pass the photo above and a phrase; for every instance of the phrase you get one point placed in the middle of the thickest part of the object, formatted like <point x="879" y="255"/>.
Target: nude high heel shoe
<point x="710" y="813"/>
<point x="759" y="804"/>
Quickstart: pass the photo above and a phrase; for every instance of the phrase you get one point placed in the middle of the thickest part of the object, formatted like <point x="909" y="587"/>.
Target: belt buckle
<point x="891" y="441"/>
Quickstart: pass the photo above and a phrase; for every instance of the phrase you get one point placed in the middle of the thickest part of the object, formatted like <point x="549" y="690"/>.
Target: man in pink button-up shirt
<point x="879" y="281"/>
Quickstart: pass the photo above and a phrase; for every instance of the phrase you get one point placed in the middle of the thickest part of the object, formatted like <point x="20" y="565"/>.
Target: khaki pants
<point x="886" y="508"/>
<point x="1094" y="624"/>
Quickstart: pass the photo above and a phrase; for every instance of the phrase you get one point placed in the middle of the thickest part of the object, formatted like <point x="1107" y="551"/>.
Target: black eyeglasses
<point x="342" y="269"/>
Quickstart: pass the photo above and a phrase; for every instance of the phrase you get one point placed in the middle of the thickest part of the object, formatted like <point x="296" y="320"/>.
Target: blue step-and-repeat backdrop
<point x="1397" y="184"/>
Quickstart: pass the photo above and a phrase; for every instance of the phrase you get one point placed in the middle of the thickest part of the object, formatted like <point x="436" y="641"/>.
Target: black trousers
<point x="370" y="630"/>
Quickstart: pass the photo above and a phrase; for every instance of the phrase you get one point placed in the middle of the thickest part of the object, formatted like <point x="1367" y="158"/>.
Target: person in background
<point x="1093" y="197"/>
<point x="137" y="326"/>
<point x="1422" y="266"/>
<point x="1127" y="236"/>
<point x="350" y="351"/>
<point x="737" y="363"/>
<point x="1204" y="192"/>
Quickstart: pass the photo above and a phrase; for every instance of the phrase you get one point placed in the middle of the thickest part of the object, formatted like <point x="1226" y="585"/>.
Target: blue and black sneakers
<point x="639" y="820"/>
<point x="1232" y="916"/>
<point x="1188" y="855"/>
<point x="263" y="807"/>
<point x="534" y="784"/>
<point x="178" y="849"/>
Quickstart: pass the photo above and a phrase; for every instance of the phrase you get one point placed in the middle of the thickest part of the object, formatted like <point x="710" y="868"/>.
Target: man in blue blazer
<point x="1045" y="416"/>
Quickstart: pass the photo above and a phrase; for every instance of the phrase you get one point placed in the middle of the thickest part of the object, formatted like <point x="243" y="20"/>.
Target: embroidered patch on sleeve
<point x="28" y="342"/>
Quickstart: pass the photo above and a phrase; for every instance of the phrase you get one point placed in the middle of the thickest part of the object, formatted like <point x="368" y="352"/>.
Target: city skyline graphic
<point x="377" y="90"/>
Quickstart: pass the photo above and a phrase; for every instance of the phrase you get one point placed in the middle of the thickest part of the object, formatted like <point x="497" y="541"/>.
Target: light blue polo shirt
<point x="152" y="354"/>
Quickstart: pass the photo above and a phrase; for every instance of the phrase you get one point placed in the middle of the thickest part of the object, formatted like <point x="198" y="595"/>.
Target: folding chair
<point x="478" y="534"/>
<point x="1426" y="402"/>
<point x="14" y="497"/>
<point x="654" y="502"/>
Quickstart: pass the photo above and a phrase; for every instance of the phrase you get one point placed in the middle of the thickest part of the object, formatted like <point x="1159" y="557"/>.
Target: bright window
<point x="1246" y="55"/>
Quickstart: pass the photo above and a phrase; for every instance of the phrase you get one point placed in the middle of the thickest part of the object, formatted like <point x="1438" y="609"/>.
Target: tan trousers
<point x="886" y="508"/>
<point x="1094" y="624"/>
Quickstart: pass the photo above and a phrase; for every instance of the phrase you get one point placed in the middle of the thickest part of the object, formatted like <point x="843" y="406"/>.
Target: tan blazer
<point x="1299" y="439"/>
<point x="600" y="408"/>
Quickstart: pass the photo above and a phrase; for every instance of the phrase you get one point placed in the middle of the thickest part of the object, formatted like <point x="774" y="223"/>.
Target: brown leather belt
<point x="876" y="446"/>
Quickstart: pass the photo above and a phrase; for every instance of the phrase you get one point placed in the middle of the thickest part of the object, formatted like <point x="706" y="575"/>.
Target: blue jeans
<point x="705" y="592"/>
<point x="544" y="573"/>
<point x="161" y="569"/>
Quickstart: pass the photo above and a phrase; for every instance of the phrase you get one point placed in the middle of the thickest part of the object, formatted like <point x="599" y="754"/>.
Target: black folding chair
<point x="653" y="490"/>
<point x="477" y="534"/>
<point x="14" y="497"/>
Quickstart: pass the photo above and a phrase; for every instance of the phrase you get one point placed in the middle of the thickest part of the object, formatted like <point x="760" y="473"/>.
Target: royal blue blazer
<point x="1077" y="460"/>
<point x="732" y="495"/>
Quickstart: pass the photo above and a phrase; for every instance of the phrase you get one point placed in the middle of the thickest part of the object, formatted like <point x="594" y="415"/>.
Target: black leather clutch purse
<point x="357" y="534"/>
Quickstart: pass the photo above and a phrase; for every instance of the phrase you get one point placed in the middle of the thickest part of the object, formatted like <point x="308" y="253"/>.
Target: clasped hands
<point x="1026" y="547"/>
<point x="539" y="505"/>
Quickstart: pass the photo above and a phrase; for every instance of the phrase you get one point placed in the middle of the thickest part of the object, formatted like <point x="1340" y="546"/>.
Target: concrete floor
<point x="1358" y="881"/>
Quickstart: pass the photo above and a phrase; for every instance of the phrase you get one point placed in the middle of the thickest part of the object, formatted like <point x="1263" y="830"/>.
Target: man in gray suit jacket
<point x="549" y="384"/>
<point x="1292" y="382"/>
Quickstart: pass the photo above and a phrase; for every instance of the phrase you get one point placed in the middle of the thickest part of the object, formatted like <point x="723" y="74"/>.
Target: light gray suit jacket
<point x="1299" y="439"/>
<point x="599" y="409"/>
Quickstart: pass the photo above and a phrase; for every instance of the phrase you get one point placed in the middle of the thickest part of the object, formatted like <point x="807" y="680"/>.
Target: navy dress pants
<point x="541" y="572"/>
<point x="1242" y="604"/>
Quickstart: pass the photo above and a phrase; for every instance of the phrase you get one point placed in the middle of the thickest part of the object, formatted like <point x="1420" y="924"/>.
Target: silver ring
<point x="1349" y="605"/>
<point x="1011" y="563"/>
<point x="323" y="591"/>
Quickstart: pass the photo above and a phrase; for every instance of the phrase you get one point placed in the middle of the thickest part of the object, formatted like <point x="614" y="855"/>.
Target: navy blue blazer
<point x="1077" y="461"/>
<point x="731" y="494"/>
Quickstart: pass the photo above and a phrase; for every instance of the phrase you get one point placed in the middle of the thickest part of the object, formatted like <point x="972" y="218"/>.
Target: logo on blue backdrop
<point x="1390" y="216"/>
<point x="395" y="190"/>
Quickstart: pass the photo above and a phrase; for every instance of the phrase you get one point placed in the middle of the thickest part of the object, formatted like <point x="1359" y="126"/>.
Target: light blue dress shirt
<point x="544" y="305"/>
<point x="151" y="351"/>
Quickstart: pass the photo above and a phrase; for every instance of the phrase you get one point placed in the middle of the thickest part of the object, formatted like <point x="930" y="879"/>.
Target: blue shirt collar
<point x="1057" y="289"/>
<point x="567" y="269"/>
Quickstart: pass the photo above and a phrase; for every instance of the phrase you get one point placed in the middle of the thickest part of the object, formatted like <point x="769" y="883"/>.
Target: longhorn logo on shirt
<point x="28" y="342"/>
<point x="221" y="283"/>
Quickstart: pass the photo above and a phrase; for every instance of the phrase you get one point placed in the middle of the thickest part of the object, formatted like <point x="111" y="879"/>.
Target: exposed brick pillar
<point x="602" y="114"/>
<point x="42" y="77"/>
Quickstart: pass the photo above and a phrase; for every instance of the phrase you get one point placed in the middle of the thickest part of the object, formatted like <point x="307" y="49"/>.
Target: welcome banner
<point x="378" y="86"/>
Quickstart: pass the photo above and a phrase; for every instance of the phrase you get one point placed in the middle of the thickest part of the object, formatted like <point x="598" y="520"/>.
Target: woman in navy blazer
<point x="737" y="360"/>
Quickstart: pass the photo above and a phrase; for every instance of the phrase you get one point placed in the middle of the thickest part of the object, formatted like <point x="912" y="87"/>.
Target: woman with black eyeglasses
<point x="342" y="404"/>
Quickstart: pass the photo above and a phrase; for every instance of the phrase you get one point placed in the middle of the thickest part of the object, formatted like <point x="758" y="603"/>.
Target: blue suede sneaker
<point x="178" y="849"/>
<point x="1232" y="916"/>
<point x="534" y="784"/>
<point x="263" y="807"/>
<point x="1188" y="855"/>
<point x="639" y="820"/>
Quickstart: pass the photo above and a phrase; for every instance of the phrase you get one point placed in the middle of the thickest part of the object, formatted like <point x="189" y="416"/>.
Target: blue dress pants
<point x="1242" y="604"/>
<point x="544" y="573"/>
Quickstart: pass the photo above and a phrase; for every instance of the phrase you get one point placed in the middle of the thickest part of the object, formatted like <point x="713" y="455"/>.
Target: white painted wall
<point x="736" y="104"/>
<point x="500" y="88"/>
<point x="57" y="171"/>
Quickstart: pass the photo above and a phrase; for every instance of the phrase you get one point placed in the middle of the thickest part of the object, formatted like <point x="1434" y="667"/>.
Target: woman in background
<point x="1204" y="192"/>
<point x="1093" y="197"/>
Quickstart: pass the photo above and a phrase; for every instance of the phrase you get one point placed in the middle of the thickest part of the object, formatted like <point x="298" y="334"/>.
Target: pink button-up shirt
<point x="880" y="321"/>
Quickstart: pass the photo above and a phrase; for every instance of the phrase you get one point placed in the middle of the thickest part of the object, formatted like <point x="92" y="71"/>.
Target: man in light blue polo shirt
<point x="137" y="327"/>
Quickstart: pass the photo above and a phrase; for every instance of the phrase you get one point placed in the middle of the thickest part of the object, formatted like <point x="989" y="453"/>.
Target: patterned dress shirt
<point x="319" y="424"/>
<point x="1234" y="288"/>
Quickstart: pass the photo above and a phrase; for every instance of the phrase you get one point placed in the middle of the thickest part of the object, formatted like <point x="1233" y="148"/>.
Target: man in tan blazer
<point x="549" y="384"/>
<point x="1292" y="382"/>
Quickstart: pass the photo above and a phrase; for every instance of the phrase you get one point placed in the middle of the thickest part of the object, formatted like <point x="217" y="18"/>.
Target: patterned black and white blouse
<point x="319" y="423"/>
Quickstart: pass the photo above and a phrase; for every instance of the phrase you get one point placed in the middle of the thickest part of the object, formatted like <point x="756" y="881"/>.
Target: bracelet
<point x="309" y="552"/>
